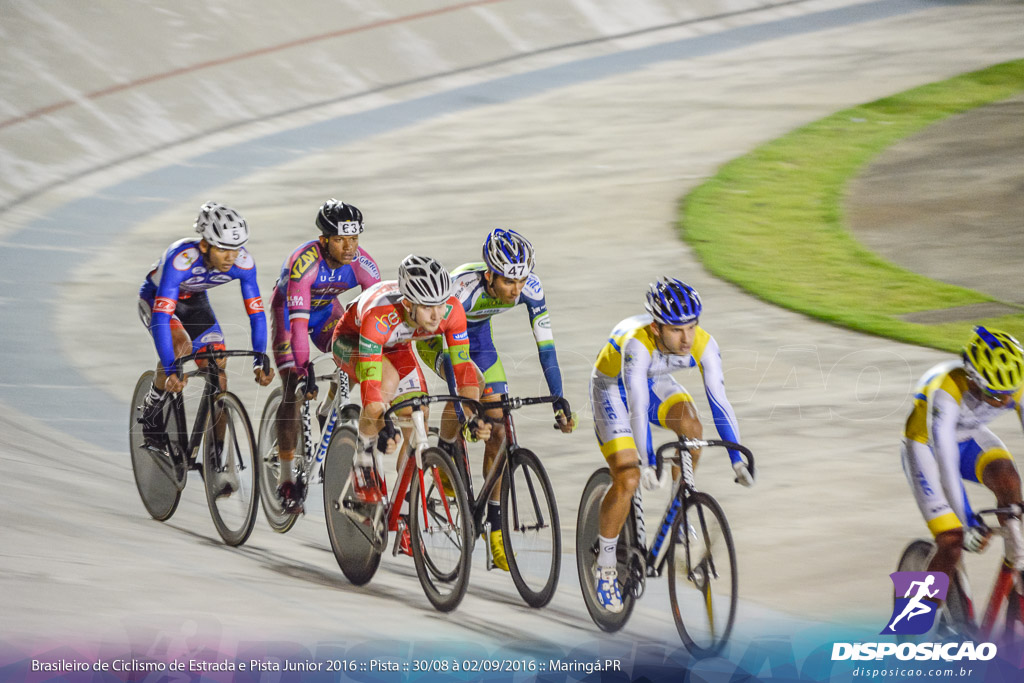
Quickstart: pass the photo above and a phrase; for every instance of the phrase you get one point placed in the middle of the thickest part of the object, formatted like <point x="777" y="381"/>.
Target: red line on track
<point x="49" y="109"/>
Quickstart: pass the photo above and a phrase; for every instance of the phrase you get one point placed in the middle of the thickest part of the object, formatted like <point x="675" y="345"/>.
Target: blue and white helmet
<point x="508" y="253"/>
<point x="673" y="302"/>
<point x="221" y="226"/>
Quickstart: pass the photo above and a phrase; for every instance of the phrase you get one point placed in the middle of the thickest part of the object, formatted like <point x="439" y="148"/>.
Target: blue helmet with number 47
<point x="508" y="253"/>
<point x="673" y="302"/>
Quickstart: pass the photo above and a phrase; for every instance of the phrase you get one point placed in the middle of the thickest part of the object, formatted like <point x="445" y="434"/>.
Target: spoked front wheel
<point x="441" y="531"/>
<point x="156" y="476"/>
<point x="356" y="530"/>
<point x="270" y="466"/>
<point x="529" y="528"/>
<point x="702" y="580"/>
<point x="954" y="620"/>
<point x="230" y="469"/>
<point x="587" y="526"/>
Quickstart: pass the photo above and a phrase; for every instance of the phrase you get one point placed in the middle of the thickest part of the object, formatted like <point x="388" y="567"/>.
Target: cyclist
<point x="305" y="306"/>
<point x="504" y="280"/>
<point x="174" y="307"/>
<point x="631" y="387"/>
<point x="946" y="439"/>
<point x="373" y="342"/>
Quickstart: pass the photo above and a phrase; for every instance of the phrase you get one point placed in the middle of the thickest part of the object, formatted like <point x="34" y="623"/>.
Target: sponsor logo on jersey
<point x="460" y="336"/>
<point x="303" y="262"/>
<point x="185" y="259"/>
<point x="448" y="310"/>
<point x="369" y="371"/>
<point x="220" y="278"/>
<point x="384" y="323"/>
<point x="254" y="305"/>
<point x="544" y="323"/>
<point x="296" y="301"/>
<point x="211" y="337"/>
<point x="368" y="348"/>
<point x="461" y="355"/>
<point x="369" y="266"/>
<point x="283" y="347"/>
<point x="244" y="260"/>
<point x="164" y="305"/>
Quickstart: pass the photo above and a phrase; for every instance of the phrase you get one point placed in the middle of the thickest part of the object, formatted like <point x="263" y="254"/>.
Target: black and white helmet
<point x="221" y="226"/>
<point x="338" y="218"/>
<point x="424" y="281"/>
<point x="508" y="253"/>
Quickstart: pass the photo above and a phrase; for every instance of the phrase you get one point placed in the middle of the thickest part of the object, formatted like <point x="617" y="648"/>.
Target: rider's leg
<point x="681" y="417"/>
<point x="625" y="471"/>
<point x="287" y="424"/>
<point x="1001" y="476"/>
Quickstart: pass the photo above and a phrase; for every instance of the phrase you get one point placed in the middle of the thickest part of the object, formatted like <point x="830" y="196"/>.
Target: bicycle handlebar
<point x="217" y="354"/>
<point x="693" y="444"/>
<point x="1012" y="510"/>
<point x="420" y="401"/>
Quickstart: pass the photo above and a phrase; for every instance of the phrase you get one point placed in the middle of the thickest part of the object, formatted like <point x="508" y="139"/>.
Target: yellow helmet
<point x="994" y="361"/>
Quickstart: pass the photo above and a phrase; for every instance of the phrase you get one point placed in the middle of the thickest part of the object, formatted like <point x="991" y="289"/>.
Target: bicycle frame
<point x="1007" y="591"/>
<point x="189" y="448"/>
<point x="654" y="558"/>
<point x="418" y="443"/>
<point x="315" y="456"/>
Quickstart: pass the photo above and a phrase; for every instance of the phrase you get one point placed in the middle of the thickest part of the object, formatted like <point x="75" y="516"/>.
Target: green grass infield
<point x="772" y="221"/>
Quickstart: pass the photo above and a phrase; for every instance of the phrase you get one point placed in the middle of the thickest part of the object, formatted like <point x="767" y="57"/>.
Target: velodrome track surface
<point x="586" y="154"/>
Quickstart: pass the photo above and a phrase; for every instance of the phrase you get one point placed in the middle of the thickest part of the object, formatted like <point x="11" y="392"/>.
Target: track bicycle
<point x="693" y="538"/>
<point x="221" y="428"/>
<point x="309" y="454"/>
<point x="1004" y="613"/>
<point x="529" y="516"/>
<point x="441" y="537"/>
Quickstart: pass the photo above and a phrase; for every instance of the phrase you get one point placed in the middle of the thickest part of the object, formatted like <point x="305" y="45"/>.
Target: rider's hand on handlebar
<point x="175" y="384"/>
<point x="976" y="538"/>
<point x="477" y="429"/>
<point x="649" y="478"/>
<point x="388" y="438"/>
<point x="263" y="378"/>
<point x="565" y="420"/>
<point x="743" y="475"/>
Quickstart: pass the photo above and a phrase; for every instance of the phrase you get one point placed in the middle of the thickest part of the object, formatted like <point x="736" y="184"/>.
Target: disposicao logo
<point x="916" y="601"/>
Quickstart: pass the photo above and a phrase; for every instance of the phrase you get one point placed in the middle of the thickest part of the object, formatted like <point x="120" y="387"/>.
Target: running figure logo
<point x="916" y="601"/>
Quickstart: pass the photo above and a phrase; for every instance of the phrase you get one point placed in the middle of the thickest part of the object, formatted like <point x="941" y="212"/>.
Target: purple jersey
<point x="308" y="285"/>
<point x="181" y="273"/>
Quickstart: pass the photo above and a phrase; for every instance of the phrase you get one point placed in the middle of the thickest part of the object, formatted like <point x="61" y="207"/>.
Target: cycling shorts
<point x="611" y="417"/>
<point x="922" y="470"/>
<point x="194" y="315"/>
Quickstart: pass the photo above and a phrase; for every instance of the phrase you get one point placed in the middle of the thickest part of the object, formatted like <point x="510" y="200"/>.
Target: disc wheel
<point x="587" y="525"/>
<point x="357" y="531"/>
<point x="157" y="479"/>
<point x="270" y="466"/>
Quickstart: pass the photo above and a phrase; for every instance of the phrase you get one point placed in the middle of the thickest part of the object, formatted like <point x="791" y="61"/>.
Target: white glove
<point x="649" y="478"/>
<point x="976" y="538"/>
<point x="743" y="475"/>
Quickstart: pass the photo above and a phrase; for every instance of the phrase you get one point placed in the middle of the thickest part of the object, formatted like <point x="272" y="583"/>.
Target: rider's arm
<point x="540" y="321"/>
<point x="943" y="414"/>
<point x="253" y="302"/>
<point x="709" y="359"/>
<point x="366" y="270"/>
<point x="301" y="272"/>
<point x="636" y="360"/>
<point x="455" y="334"/>
<point x="164" y="303"/>
<point x="1018" y="396"/>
